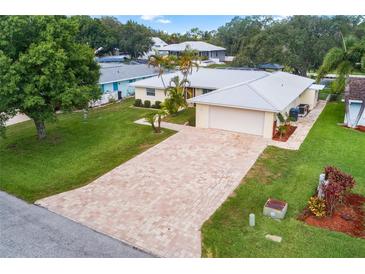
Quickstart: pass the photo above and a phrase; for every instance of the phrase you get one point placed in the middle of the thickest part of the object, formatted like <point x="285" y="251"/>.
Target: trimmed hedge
<point x="157" y="105"/>
<point x="138" y="103"/>
<point x="147" y="103"/>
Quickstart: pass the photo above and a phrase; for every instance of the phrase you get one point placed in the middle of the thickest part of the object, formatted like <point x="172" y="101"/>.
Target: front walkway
<point x="159" y="200"/>
<point x="17" y="119"/>
<point x="176" y="127"/>
<point x="304" y="125"/>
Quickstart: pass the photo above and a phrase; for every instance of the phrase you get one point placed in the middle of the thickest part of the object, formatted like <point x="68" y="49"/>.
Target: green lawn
<point x="74" y="153"/>
<point x="183" y="116"/>
<point x="291" y="176"/>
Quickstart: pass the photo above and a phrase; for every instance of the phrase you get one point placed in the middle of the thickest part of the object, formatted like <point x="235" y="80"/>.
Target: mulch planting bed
<point x="348" y="218"/>
<point x="358" y="128"/>
<point x="287" y="135"/>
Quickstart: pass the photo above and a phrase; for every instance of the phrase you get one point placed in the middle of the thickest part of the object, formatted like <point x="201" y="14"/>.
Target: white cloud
<point x="156" y="18"/>
<point x="164" y="21"/>
<point x="150" y="17"/>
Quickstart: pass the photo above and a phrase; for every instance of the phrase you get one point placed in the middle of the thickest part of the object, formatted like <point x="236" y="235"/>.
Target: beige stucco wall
<point x="268" y="124"/>
<point x="309" y="97"/>
<point x="141" y="93"/>
<point x="202" y="116"/>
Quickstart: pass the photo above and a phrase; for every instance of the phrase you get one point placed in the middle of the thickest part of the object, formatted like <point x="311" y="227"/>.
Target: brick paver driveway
<point x="158" y="200"/>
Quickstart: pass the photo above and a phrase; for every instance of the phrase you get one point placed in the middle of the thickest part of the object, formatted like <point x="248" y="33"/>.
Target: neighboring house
<point x="113" y="58"/>
<point x="354" y="98"/>
<point x="204" y="50"/>
<point x="271" y="67"/>
<point x="158" y="43"/>
<point x="238" y="100"/>
<point x="115" y="80"/>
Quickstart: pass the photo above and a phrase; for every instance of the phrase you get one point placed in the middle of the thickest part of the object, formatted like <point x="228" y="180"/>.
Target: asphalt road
<point x="29" y="231"/>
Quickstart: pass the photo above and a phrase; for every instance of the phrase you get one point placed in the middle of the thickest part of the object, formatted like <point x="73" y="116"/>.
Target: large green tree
<point x="299" y="42"/>
<point x="101" y="32"/>
<point x="135" y="39"/>
<point x="43" y="69"/>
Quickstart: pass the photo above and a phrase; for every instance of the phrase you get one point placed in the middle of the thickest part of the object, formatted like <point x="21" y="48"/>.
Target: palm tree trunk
<point x="159" y="123"/>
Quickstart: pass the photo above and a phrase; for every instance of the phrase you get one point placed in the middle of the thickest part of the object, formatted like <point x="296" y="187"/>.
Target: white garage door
<point x="240" y="120"/>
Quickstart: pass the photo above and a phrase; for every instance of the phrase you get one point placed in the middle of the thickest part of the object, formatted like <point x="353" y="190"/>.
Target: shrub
<point x="339" y="184"/>
<point x="138" y="103"/>
<point x="170" y="106"/>
<point x="147" y="104"/>
<point x="191" y="121"/>
<point x="157" y="105"/>
<point x="317" y="206"/>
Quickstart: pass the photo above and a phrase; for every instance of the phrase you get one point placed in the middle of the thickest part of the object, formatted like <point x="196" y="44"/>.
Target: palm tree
<point x="175" y="92"/>
<point x="344" y="60"/>
<point x="186" y="62"/>
<point x="162" y="63"/>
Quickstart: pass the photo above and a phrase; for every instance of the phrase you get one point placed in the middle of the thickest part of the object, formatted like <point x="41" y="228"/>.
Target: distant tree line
<point x="110" y="34"/>
<point x="297" y="42"/>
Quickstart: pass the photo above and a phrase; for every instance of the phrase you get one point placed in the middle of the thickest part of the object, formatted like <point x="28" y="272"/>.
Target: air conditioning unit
<point x="303" y="110"/>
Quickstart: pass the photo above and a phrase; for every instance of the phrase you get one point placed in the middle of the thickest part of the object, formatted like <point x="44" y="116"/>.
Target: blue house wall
<point x="123" y="86"/>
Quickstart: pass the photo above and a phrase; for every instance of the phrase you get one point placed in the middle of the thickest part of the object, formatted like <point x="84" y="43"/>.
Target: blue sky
<point x="179" y="23"/>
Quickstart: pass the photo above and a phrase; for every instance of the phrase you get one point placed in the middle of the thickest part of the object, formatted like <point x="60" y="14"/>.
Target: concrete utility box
<point x="275" y="209"/>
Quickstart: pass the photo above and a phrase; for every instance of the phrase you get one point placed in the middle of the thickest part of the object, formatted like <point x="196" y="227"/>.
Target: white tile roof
<point x="121" y="72"/>
<point x="273" y="92"/>
<point x="206" y="78"/>
<point x="195" y="45"/>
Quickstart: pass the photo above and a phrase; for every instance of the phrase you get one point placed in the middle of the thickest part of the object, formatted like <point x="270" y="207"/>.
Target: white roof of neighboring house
<point x="273" y="92"/>
<point x="158" y="41"/>
<point x="195" y="45"/>
<point x="122" y="72"/>
<point x="205" y="78"/>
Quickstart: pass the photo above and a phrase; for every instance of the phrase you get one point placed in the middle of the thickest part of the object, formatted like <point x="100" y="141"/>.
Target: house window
<point x="151" y="91"/>
<point x="205" y="90"/>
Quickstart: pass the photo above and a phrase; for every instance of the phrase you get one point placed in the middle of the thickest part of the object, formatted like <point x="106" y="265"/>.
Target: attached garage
<point x="252" y="107"/>
<point x="235" y="119"/>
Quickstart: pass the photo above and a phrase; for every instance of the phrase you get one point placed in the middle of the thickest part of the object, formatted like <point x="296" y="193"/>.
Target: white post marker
<point x="252" y="219"/>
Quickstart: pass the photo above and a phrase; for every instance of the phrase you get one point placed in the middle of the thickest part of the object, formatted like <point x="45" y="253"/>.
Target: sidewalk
<point x="303" y="127"/>
<point x="167" y="125"/>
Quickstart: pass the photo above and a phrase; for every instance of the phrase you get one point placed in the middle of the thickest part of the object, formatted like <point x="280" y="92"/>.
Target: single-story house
<point x="204" y="49"/>
<point x="270" y="67"/>
<point x="113" y="58"/>
<point x="158" y="43"/>
<point x="238" y="100"/>
<point x="354" y="98"/>
<point x="115" y="80"/>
